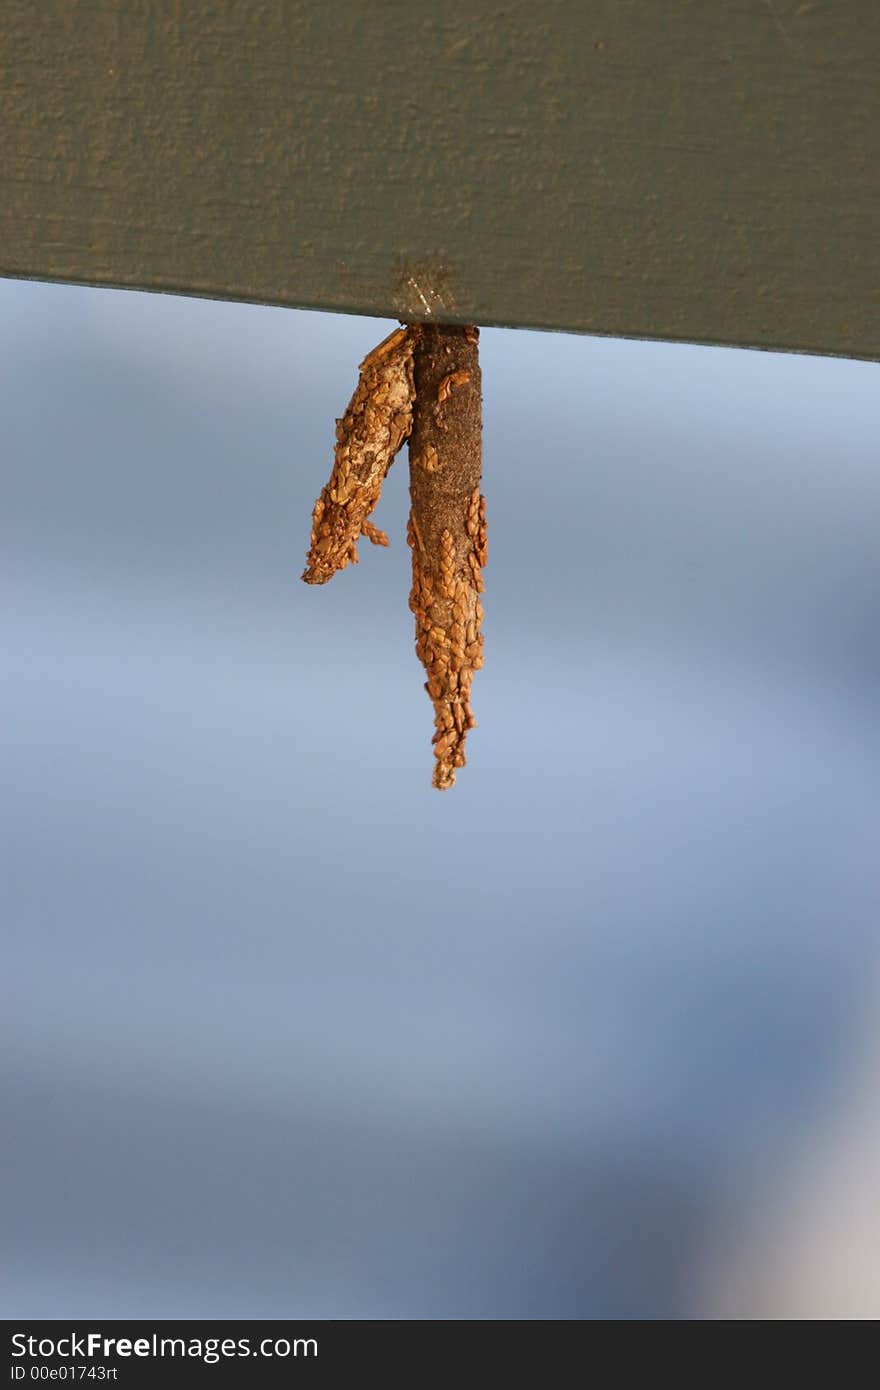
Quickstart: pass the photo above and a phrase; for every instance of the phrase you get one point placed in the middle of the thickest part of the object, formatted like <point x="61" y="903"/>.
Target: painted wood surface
<point x="682" y="169"/>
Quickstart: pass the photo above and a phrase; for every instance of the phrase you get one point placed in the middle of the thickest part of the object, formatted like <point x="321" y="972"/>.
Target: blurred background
<point x="284" y="1032"/>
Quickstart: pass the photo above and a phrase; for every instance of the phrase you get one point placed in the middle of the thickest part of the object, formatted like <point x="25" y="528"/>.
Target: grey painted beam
<point x="705" y="170"/>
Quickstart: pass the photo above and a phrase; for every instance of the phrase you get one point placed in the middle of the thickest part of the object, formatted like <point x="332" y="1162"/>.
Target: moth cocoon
<point x="374" y="427"/>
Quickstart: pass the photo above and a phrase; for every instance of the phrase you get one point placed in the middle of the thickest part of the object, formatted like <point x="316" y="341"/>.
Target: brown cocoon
<point x="447" y="531"/>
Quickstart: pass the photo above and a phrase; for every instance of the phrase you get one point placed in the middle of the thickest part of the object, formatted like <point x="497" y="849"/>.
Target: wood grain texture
<point x="679" y="169"/>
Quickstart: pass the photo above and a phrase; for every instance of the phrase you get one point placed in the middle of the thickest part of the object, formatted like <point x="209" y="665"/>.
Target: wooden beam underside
<point x="676" y="169"/>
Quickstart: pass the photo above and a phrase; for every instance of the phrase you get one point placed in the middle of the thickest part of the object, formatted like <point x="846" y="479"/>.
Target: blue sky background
<point x="283" y="1031"/>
